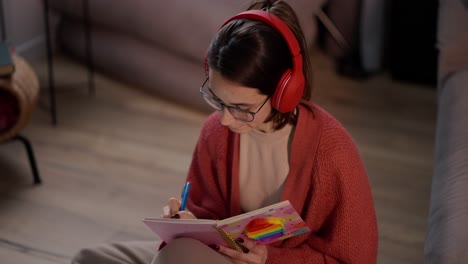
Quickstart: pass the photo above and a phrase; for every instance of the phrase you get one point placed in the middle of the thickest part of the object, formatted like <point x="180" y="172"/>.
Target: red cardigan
<point x="327" y="184"/>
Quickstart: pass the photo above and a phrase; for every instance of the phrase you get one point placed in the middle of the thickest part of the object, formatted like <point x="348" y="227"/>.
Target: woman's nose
<point x="226" y="117"/>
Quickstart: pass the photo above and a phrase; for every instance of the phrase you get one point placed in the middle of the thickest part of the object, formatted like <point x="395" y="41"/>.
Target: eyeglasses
<point x="236" y="112"/>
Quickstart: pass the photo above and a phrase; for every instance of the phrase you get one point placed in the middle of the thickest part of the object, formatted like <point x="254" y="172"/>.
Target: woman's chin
<point x="240" y="130"/>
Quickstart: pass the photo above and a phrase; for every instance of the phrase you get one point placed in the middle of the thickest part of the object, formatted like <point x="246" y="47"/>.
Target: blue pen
<point x="185" y="194"/>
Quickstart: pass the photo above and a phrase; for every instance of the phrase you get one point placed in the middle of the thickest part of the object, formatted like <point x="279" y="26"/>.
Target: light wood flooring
<point x="114" y="158"/>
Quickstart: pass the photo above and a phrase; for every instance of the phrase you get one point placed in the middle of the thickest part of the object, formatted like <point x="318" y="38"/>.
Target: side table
<point x="19" y="96"/>
<point x="49" y="51"/>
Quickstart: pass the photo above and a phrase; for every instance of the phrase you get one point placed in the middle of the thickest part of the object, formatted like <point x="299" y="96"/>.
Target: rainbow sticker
<point x="264" y="229"/>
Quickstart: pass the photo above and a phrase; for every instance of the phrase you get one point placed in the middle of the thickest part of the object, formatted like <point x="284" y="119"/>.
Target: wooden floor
<point x="116" y="157"/>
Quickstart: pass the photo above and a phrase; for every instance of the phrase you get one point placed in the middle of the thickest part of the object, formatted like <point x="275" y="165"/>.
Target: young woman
<point x="267" y="143"/>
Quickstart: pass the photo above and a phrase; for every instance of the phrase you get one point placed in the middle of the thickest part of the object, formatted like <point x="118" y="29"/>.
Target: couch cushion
<point x="179" y="26"/>
<point x="447" y="233"/>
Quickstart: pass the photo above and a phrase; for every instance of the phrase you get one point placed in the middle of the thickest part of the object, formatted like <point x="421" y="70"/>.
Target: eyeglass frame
<point x="229" y="107"/>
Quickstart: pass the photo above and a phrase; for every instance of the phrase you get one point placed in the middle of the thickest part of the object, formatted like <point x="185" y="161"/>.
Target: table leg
<point x="50" y="64"/>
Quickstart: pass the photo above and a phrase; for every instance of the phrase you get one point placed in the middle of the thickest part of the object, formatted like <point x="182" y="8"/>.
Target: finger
<point x="260" y="252"/>
<point x="166" y="212"/>
<point x="238" y="262"/>
<point x="234" y="254"/>
<point x="174" y="205"/>
<point x="248" y="243"/>
<point x="238" y="256"/>
<point x="186" y="215"/>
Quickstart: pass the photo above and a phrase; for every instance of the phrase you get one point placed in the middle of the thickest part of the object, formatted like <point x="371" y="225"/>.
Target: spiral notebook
<point x="265" y="225"/>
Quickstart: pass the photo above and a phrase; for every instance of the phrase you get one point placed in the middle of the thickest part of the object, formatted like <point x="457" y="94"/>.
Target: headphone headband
<point x="291" y="85"/>
<point x="278" y="24"/>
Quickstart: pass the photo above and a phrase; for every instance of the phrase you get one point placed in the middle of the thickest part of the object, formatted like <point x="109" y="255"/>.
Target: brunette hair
<point x="253" y="54"/>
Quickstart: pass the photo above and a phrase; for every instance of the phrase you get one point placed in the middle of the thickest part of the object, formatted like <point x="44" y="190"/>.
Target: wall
<point x="25" y="27"/>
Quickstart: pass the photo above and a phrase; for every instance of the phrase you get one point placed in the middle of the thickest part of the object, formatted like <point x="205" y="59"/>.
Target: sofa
<point x="158" y="46"/>
<point x="447" y="229"/>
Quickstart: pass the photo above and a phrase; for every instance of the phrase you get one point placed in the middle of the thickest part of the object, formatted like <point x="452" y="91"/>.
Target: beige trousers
<point x="183" y="250"/>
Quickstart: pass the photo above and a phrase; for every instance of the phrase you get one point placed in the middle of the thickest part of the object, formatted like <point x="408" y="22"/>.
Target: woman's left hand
<point x="253" y="254"/>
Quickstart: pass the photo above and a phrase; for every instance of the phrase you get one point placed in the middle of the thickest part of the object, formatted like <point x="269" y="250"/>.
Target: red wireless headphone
<point x="289" y="90"/>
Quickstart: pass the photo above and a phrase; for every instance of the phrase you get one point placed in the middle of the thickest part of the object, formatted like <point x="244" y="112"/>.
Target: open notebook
<point x="266" y="225"/>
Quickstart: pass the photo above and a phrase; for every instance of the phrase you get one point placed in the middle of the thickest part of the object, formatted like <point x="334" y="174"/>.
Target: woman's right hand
<point x="172" y="210"/>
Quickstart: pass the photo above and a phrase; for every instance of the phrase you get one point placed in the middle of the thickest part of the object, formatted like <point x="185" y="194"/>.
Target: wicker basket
<point x="24" y="85"/>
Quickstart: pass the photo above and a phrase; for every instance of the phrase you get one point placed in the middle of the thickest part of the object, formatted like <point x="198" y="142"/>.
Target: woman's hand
<point x="253" y="253"/>
<point x="172" y="210"/>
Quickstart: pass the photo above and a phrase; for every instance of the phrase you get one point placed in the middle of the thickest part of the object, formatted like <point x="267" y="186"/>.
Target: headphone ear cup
<point x="288" y="92"/>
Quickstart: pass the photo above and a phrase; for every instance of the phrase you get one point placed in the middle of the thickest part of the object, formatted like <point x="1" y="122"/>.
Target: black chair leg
<point x="32" y="160"/>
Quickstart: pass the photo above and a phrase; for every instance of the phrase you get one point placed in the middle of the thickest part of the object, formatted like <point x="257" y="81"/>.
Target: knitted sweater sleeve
<point x="340" y="211"/>
<point x="209" y="188"/>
